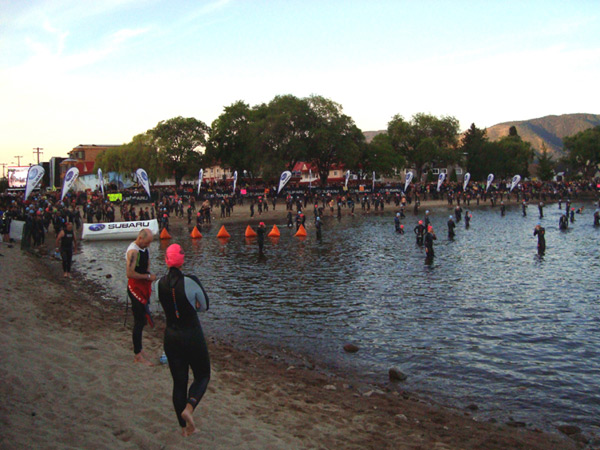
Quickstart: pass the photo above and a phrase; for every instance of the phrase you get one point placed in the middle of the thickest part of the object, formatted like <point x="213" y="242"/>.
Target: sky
<point x="99" y="72"/>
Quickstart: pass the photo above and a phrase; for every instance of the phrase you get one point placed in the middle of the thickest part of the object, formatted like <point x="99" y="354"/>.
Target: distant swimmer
<point x="451" y="227"/>
<point x="262" y="229"/>
<point x="318" y="226"/>
<point x="429" y="238"/>
<point x="540" y="232"/>
<point x="597" y="218"/>
<point x="563" y="222"/>
<point x="426" y="222"/>
<point x="468" y="217"/>
<point x="397" y="222"/>
<point x="458" y="213"/>
<point x="502" y="209"/>
<point x="572" y="215"/>
<point x="181" y="298"/>
<point x="401" y="229"/>
<point x="524" y="208"/>
<point x="541" y="209"/>
<point x="139" y="288"/>
<point x="420" y="232"/>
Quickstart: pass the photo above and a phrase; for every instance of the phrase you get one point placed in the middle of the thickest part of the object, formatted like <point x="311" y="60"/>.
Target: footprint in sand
<point x="124" y="435"/>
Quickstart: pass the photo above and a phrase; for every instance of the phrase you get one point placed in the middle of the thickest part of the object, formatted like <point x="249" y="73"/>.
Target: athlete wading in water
<point x="139" y="287"/>
<point x="184" y="341"/>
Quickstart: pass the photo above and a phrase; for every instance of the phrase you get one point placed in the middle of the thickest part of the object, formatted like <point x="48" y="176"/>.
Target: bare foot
<point x="139" y="358"/>
<point x="186" y="415"/>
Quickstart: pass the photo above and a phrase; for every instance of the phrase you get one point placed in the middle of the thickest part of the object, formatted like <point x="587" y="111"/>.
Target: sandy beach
<point x="69" y="381"/>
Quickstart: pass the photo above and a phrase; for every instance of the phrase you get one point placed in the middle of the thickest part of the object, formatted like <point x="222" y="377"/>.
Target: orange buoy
<point x="250" y="232"/>
<point x="223" y="233"/>
<point x="164" y="234"/>
<point x="301" y="231"/>
<point x="274" y="232"/>
<point x="195" y="234"/>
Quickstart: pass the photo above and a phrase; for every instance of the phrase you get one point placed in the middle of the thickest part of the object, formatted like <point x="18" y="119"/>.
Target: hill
<point x="548" y="129"/>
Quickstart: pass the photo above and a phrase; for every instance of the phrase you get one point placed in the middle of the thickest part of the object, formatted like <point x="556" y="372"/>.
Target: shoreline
<point x="290" y="406"/>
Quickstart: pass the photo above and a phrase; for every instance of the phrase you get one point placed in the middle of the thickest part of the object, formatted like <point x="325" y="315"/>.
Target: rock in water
<point x="350" y="348"/>
<point x="569" y="430"/>
<point x="397" y="375"/>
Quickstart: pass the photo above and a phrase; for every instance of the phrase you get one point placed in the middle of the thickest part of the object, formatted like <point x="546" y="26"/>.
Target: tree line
<point x="263" y="140"/>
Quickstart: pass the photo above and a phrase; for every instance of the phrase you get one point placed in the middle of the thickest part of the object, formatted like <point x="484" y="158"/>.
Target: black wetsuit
<point x="429" y="238"/>
<point x="138" y="309"/>
<point x="184" y="343"/>
<point x="596" y="219"/>
<point x="451" y="226"/>
<point x="540" y="232"/>
<point x="318" y="227"/>
<point x="66" y="250"/>
<point x="419" y="231"/>
<point x="502" y="210"/>
<point x="563" y="222"/>
<point x="261" y="238"/>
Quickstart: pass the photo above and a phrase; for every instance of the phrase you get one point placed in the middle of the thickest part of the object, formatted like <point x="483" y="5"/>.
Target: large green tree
<point x="514" y="155"/>
<point x="179" y="141"/>
<point x="333" y="138"/>
<point x="473" y="146"/>
<point x="282" y="131"/>
<point x="231" y="142"/>
<point x="545" y="165"/>
<point x="379" y="156"/>
<point x="426" y="140"/>
<point x="583" y="151"/>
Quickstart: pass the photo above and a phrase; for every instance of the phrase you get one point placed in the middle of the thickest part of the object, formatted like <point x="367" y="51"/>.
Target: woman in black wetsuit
<point x="540" y="232"/>
<point x="68" y="244"/>
<point x="184" y="342"/>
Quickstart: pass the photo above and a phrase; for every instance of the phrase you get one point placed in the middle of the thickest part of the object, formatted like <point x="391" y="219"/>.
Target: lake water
<point x="489" y="322"/>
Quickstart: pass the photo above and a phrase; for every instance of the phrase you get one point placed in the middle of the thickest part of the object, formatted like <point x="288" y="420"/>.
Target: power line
<point x="38" y="150"/>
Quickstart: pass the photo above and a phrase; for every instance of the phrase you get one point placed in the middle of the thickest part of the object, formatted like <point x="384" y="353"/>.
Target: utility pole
<point x="38" y="150"/>
<point x="3" y="166"/>
<point x="19" y="160"/>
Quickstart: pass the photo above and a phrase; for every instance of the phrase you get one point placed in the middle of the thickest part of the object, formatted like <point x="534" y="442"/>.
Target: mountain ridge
<point x="549" y="129"/>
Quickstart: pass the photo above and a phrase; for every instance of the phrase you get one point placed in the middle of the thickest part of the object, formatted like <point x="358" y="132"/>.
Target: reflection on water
<point x="489" y="322"/>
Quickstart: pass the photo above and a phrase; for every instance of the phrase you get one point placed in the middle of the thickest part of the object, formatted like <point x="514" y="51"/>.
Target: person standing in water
<point x="458" y="213"/>
<point x="139" y="288"/>
<point x="563" y="222"/>
<point x="502" y="209"/>
<point x="429" y="238"/>
<point x="468" y="217"/>
<point x="397" y="222"/>
<point x="451" y="227"/>
<point x="181" y="297"/>
<point x="597" y="218"/>
<point x="524" y="208"/>
<point x="541" y="209"/>
<point x="540" y="232"/>
<point x="318" y="225"/>
<point x="66" y="242"/>
<point x="420" y="232"/>
<point x="261" y="236"/>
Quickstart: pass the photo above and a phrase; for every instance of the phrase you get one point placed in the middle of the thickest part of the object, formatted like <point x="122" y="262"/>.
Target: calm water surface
<point x="489" y="322"/>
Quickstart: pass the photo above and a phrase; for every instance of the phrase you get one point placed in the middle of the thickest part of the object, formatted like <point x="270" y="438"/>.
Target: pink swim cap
<point x="174" y="256"/>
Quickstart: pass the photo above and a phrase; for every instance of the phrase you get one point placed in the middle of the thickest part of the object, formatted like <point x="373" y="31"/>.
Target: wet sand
<point x="69" y="381"/>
